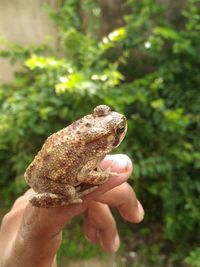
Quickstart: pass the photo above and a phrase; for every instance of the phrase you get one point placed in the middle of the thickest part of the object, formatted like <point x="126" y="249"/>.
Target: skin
<point x="27" y="240"/>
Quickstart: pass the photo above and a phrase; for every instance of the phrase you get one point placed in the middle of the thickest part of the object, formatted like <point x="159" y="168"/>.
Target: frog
<point x="68" y="165"/>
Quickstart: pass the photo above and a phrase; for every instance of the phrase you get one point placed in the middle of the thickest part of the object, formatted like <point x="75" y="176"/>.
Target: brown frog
<point x="67" y="166"/>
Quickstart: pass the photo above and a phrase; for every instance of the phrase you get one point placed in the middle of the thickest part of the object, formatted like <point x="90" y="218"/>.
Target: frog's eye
<point x="120" y="130"/>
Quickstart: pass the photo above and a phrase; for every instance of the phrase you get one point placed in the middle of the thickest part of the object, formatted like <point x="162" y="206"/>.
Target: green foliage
<point x="194" y="258"/>
<point x="148" y="70"/>
<point x="75" y="246"/>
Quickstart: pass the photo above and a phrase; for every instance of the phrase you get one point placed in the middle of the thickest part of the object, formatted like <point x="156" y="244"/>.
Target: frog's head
<point x="112" y="125"/>
<point x="101" y="131"/>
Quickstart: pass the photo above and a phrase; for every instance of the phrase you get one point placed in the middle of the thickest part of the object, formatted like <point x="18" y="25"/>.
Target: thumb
<point x="39" y="235"/>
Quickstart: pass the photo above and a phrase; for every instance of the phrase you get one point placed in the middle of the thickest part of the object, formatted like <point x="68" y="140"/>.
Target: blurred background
<point x="59" y="59"/>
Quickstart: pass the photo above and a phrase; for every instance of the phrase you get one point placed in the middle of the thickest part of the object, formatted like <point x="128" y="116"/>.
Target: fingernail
<point x="116" y="243"/>
<point x="121" y="160"/>
<point x="140" y="209"/>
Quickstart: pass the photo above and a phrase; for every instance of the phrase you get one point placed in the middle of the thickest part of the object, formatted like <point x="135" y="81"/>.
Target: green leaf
<point x="167" y="33"/>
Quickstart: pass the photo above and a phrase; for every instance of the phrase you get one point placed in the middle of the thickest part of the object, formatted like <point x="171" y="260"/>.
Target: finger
<point x="49" y="222"/>
<point x="32" y="235"/>
<point x="22" y="200"/>
<point x="124" y="199"/>
<point x="100" y="227"/>
<point x="14" y="217"/>
<point x="35" y="217"/>
<point x="122" y="165"/>
<point x="12" y="220"/>
<point x="31" y="228"/>
<point x="25" y="252"/>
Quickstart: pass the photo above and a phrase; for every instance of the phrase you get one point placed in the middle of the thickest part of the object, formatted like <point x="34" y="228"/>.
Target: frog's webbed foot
<point x="108" y="170"/>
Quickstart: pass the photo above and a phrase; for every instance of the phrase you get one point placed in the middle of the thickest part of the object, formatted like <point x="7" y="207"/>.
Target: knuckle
<point x="6" y="219"/>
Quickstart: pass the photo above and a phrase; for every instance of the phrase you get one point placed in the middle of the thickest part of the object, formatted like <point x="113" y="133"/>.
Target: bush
<point x="148" y="70"/>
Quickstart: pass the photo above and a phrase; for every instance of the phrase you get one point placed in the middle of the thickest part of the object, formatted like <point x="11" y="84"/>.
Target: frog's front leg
<point x="91" y="174"/>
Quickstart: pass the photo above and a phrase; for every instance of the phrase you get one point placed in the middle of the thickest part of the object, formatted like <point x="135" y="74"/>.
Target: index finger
<point x="122" y="165"/>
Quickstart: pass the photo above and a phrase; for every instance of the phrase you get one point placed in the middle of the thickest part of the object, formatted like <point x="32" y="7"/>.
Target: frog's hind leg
<point x="50" y="193"/>
<point x="50" y="200"/>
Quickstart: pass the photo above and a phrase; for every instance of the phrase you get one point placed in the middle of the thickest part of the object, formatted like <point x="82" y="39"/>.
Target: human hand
<point x="31" y="236"/>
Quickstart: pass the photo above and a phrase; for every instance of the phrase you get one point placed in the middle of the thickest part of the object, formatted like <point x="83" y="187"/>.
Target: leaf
<point x="167" y="33"/>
